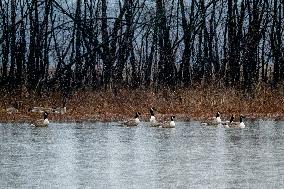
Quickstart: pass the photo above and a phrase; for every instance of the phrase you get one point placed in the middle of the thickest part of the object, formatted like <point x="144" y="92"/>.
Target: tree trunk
<point x="167" y="69"/>
<point x="12" y="44"/>
<point x="5" y="44"/>
<point x="105" y="46"/>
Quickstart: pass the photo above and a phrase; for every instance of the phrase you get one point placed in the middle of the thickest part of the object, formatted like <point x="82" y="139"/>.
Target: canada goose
<point x="36" y="110"/>
<point x="226" y="123"/>
<point x="215" y="120"/>
<point x="42" y="122"/>
<point x="12" y="110"/>
<point x="153" y="121"/>
<point x="152" y="118"/>
<point x="39" y="110"/>
<point x="133" y="122"/>
<point x="61" y="110"/>
<point x="233" y="124"/>
<point x="169" y="124"/>
<point x="15" y="106"/>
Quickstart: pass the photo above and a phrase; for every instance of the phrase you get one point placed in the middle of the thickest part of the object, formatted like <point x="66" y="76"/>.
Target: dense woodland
<point x="49" y="45"/>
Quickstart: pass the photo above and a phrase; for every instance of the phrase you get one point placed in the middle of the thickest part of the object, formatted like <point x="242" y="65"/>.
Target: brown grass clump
<point x="186" y="103"/>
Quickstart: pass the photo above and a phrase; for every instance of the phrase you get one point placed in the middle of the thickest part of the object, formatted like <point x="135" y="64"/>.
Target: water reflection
<point x="105" y="155"/>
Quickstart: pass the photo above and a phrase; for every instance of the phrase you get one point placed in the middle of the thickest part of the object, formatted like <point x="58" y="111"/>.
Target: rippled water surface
<point x="105" y="155"/>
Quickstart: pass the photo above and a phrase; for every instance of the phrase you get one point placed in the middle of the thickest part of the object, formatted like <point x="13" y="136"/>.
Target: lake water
<point x="105" y="155"/>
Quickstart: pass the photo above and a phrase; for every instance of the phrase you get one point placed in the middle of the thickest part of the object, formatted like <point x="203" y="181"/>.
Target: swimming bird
<point x="214" y="121"/>
<point x="233" y="124"/>
<point x="217" y="119"/>
<point x="42" y="122"/>
<point x="226" y="123"/>
<point x="153" y="121"/>
<point x="133" y="122"/>
<point x="169" y="124"/>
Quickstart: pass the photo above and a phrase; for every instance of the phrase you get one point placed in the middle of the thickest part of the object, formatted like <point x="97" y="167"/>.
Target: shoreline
<point x="26" y="118"/>
<point x="186" y="104"/>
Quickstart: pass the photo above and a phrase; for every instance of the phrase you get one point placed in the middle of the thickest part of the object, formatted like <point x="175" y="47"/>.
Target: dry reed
<point x="189" y="103"/>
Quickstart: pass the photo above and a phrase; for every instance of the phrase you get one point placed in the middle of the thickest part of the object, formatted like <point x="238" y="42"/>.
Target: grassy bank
<point x="184" y="103"/>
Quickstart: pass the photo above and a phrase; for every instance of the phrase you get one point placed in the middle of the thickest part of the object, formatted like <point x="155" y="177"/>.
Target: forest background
<point x="106" y="59"/>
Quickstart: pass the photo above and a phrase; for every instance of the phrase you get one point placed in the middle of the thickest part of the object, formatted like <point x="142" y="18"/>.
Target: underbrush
<point x="185" y="103"/>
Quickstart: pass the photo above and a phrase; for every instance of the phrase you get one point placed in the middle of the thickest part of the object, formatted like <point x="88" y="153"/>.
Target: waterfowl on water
<point x="153" y="121"/>
<point x="42" y="122"/>
<point x="215" y="120"/>
<point x="232" y="124"/>
<point x="169" y="124"/>
<point x="133" y="122"/>
<point x="226" y="123"/>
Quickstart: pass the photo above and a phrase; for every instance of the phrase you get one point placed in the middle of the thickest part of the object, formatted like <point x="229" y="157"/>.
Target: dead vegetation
<point x="186" y="104"/>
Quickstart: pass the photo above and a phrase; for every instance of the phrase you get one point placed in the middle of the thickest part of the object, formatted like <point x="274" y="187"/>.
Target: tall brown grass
<point x="185" y="103"/>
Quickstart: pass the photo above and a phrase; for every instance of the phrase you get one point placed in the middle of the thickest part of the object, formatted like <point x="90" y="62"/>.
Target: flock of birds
<point x="153" y="121"/>
<point x="215" y="121"/>
<point x="41" y="110"/>
<point x="227" y="124"/>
